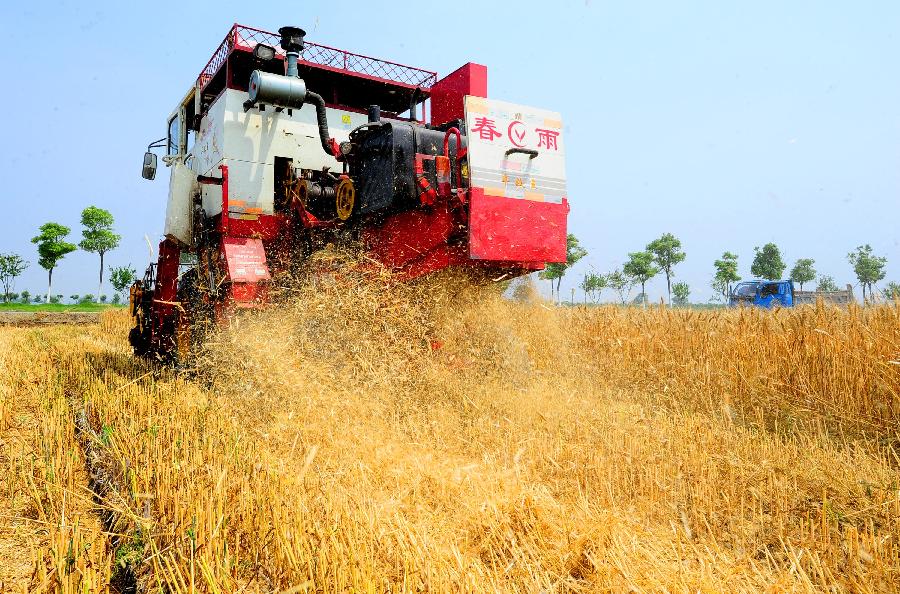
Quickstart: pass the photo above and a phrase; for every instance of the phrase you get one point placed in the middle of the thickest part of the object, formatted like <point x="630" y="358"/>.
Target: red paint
<point x="511" y="229"/>
<point x="547" y="138"/>
<point x="245" y="260"/>
<point x="248" y="294"/>
<point x="167" y="271"/>
<point x="410" y="235"/>
<point x="486" y="129"/>
<point x="515" y="136"/>
<point x="224" y="220"/>
<point x="165" y="294"/>
<point x="265" y="227"/>
<point x="461" y="152"/>
<point x="448" y="94"/>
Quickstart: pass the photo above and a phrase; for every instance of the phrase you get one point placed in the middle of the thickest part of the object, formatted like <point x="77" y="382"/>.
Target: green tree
<point x="98" y="236"/>
<point x="121" y="277"/>
<point x="666" y="254"/>
<point x="826" y="283"/>
<point x="52" y="247"/>
<point x="868" y="267"/>
<point x="620" y="283"/>
<point x="11" y="267"/>
<point x="767" y="262"/>
<point x="891" y="291"/>
<point x="554" y="271"/>
<point x="682" y="293"/>
<point x="25" y="296"/>
<point x="726" y="274"/>
<point x="640" y="268"/>
<point x="75" y="297"/>
<point x="803" y="271"/>
<point x="592" y="285"/>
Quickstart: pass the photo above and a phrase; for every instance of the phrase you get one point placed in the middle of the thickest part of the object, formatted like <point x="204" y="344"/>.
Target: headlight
<point x="263" y="52"/>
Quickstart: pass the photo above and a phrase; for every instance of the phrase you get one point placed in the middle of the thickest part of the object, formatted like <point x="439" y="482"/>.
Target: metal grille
<point x="247" y="38"/>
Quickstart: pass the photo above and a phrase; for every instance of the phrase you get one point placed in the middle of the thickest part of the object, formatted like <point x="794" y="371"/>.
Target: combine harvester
<point x="274" y="153"/>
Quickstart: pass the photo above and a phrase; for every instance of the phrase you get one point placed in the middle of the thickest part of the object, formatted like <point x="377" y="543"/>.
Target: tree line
<point x="663" y="254"/>
<point x="97" y="236"/>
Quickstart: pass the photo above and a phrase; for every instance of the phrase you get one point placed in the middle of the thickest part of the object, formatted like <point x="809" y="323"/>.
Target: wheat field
<point x="371" y="436"/>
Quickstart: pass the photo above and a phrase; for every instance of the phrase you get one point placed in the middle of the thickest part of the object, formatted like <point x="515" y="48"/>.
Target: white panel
<point x="182" y="186"/>
<point x="494" y="128"/>
<point x="248" y="143"/>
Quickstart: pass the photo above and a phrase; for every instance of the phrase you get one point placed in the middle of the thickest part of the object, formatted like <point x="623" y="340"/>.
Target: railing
<point x="246" y="38"/>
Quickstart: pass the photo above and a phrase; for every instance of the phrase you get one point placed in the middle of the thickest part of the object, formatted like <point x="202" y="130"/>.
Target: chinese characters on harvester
<point x="516" y="132"/>
<point x="486" y="129"/>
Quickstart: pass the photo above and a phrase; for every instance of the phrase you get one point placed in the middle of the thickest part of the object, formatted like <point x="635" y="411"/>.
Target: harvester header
<point x="282" y="146"/>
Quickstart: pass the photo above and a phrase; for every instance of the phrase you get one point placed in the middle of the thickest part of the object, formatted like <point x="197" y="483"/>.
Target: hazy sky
<point x="728" y="124"/>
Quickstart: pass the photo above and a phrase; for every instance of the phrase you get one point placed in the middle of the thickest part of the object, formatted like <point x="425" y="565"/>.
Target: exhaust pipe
<point x="292" y="43"/>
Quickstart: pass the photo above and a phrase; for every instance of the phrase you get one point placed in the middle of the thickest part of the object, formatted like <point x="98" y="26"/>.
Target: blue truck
<point x="781" y="293"/>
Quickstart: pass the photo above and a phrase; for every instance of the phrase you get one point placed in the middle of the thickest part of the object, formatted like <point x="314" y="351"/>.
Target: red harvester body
<point x="277" y="151"/>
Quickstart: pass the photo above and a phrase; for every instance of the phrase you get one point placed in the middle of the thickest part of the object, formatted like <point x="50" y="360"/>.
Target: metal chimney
<point x="292" y="43"/>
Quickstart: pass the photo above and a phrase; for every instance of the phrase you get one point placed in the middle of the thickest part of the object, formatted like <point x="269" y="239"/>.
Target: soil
<point x="45" y="318"/>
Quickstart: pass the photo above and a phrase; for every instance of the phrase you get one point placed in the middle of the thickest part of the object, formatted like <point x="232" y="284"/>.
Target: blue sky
<point x="727" y="124"/>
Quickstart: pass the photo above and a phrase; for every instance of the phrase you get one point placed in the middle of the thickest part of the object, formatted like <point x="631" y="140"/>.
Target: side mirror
<point x="149" y="170"/>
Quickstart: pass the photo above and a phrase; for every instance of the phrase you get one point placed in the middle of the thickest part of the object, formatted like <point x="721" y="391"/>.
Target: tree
<point x="554" y="271"/>
<point x="11" y="267"/>
<point x="666" y="254"/>
<point x="767" y="262"/>
<point x="121" y="277"/>
<point x="891" y="292"/>
<point x="641" y="269"/>
<point x="98" y="235"/>
<point x="726" y="274"/>
<point x="803" y="271"/>
<point x="826" y="283"/>
<point x="25" y="296"/>
<point x="75" y="298"/>
<point x="620" y="283"/>
<point x="682" y="293"/>
<point x="593" y="284"/>
<point x="869" y="268"/>
<point x="52" y="247"/>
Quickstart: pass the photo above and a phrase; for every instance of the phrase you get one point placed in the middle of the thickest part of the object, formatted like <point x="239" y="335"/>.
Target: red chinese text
<point x="547" y="138"/>
<point x="486" y="129"/>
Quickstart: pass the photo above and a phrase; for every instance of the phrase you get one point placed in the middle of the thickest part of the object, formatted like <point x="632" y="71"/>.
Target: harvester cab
<point x="282" y="145"/>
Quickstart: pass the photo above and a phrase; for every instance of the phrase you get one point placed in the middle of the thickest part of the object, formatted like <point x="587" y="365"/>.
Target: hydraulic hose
<point x="329" y="145"/>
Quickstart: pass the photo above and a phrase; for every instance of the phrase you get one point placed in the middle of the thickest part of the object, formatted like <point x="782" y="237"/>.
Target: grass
<point x="58" y="307"/>
<point x="367" y="436"/>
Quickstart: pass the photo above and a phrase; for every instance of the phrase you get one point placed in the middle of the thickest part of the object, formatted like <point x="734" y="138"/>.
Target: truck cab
<point x="763" y="293"/>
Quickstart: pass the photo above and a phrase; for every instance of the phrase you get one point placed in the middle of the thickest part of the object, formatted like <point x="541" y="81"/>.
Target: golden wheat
<point x="370" y="436"/>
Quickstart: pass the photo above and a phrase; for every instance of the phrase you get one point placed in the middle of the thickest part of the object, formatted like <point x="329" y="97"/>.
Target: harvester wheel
<point x="344" y="198"/>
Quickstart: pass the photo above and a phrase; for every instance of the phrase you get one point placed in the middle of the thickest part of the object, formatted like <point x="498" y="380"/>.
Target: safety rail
<point x="247" y="38"/>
